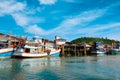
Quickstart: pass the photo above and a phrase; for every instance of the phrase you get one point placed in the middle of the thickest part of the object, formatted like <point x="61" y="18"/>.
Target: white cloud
<point x="111" y="32"/>
<point x="20" y="19"/>
<point x="101" y="30"/>
<point x="77" y="25"/>
<point x="15" y="9"/>
<point x="34" y="29"/>
<point x="96" y="28"/>
<point x="8" y="7"/>
<point x="114" y="35"/>
<point x="70" y="25"/>
<point x="78" y="21"/>
<point x="24" y="20"/>
<point x="20" y="12"/>
<point x="47" y="2"/>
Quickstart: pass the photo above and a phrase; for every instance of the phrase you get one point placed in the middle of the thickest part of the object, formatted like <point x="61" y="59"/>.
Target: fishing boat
<point x="116" y="49"/>
<point x="5" y="49"/>
<point x="37" y="47"/>
<point x="6" y="52"/>
<point x="7" y="44"/>
<point x="99" y="52"/>
<point x="99" y="49"/>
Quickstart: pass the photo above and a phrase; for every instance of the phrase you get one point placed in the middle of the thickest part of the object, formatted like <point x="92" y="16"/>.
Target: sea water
<point x="58" y="68"/>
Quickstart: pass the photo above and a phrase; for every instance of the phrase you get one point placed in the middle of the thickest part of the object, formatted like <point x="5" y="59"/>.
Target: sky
<point x="69" y="19"/>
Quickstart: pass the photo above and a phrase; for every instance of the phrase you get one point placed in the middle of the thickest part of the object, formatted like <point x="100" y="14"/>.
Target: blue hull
<point x="6" y="54"/>
<point x="56" y="54"/>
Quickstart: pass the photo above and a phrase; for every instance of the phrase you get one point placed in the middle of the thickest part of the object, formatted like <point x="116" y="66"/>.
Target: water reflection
<point x="19" y="69"/>
<point x="81" y="59"/>
<point x="56" y="68"/>
<point x="36" y="65"/>
<point x="94" y="68"/>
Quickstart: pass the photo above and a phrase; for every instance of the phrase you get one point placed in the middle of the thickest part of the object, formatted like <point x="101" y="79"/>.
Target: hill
<point x="90" y="40"/>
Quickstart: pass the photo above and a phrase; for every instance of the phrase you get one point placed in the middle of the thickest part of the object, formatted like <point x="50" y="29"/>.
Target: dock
<point x="75" y="50"/>
<point x="70" y="49"/>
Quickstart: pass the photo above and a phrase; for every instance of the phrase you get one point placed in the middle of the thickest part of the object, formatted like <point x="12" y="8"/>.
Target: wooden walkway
<point x="74" y="50"/>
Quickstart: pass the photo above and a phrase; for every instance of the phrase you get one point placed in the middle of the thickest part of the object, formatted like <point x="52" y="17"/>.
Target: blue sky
<point x="69" y="19"/>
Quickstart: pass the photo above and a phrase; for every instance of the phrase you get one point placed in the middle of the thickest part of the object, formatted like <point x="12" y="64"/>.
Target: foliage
<point x="91" y="40"/>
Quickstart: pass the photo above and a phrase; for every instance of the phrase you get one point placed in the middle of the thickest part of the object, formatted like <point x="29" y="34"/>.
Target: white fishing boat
<point x="36" y="48"/>
<point x="99" y="52"/>
<point x="99" y="49"/>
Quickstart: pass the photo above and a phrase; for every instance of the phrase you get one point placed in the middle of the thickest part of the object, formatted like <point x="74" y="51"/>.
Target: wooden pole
<point x="75" y="50"/>
<point x="85" y="50"/>
<point x="62" y="50"/>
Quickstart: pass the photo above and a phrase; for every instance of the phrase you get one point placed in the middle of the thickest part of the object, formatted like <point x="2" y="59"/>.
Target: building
<point x="7" y="40"/>
<point x="59" y="41"/>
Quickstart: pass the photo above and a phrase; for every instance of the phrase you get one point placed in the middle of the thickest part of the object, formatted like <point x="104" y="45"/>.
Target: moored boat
<point x="115" y="49"/>
<point x="99" y="52"/>
<point x="36" y="48"/>
<point x="99" y="49"/>
<point x="7" y="42"/>
<point x="6" y="49"/>
<point x="23" y="54"/>
<point x="6" y="52"/>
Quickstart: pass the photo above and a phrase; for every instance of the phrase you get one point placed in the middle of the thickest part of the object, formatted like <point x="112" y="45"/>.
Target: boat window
<point x="27" y="50"/>
<point x="1" y="46"/>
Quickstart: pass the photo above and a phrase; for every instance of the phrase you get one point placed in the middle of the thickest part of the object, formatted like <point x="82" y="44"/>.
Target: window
<point x="27" y="50"/>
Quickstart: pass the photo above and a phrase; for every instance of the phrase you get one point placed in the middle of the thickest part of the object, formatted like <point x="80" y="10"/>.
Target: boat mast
<point x="9" y="39"/>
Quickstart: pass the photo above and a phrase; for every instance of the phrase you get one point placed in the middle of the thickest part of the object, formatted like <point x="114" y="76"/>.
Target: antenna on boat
<point x="9" y="39"/>
<point x="10" y="35"/>
<point x="20" y="36"/>
<point x="26" y="38"/>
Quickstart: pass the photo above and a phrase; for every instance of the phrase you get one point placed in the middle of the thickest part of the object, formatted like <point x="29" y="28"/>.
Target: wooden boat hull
<point x="98" y="53"/>
<point x="114" y="51"/>
<point x="35" y="55"/>
<point x="6" y="52"/>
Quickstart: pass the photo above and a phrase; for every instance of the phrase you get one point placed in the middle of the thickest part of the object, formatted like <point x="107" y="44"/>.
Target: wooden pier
<point x="70" y="49"/>
<point x="74" y="50"/>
